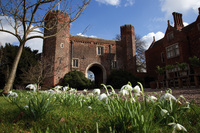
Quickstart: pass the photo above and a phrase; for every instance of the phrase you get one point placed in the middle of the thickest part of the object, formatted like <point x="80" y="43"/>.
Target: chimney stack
<point x="178" y="20"/>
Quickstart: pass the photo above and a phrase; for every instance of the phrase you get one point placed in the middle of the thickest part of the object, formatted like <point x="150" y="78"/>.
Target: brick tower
<point x="56" y="46"/>
<point x="129" y="48"/>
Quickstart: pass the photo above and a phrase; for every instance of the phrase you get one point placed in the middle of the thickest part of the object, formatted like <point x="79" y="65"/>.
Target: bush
<point x="118" y="78"/>
<point x="76" y="79"/>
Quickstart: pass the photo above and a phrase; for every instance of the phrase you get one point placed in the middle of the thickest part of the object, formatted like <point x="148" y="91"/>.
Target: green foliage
<point x="118" y="78"/>
<point x="194" y="61"/>
<point x="182" y="65"/>
<point x="76" y="79"/>
<point x="8" y="53"/>
<point x="160" y="70"/>
<point x="169" y="67"/>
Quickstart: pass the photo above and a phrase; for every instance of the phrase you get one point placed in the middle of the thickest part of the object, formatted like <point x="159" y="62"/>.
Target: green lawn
<point x="72" y="112"/>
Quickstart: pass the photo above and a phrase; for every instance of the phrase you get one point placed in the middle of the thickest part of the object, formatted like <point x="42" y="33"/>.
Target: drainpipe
<point x="71" y="54"/>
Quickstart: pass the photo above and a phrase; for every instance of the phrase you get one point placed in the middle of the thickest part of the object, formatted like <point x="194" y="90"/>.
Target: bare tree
<point x="39" y="72"/>
<point x="27" y="17"/>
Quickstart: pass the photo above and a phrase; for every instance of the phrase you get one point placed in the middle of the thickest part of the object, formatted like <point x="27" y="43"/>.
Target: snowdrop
<point x="51" y="91"/>
<point x="103" y="96"/>
<point x="123" y="92"/>
<point x="137" y="90"/>
<point x="65" y="88"/>
<point x="167" y="96"/>
<point x="177" y="127"/>
<point x="72" y="90"/>
<point x="26" y="107"/>
<point x="127" y="87"/>
<point x="85" y="90"/>
<point x="164" y="112"/>
<point x="32" y="87"/>
<point x="151" y="98"/>
<point x="96" y="91"/>
<point x="58" y="87"/>
<point x="89" y="107"/>
<point x="12" y="94"/>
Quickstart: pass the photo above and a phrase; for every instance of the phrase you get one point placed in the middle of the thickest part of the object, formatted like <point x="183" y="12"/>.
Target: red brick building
<point x="85" y="54"/>
<point x="178" y="44"/>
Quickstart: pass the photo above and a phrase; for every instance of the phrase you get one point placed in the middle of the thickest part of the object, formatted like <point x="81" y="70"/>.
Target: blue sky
<point x="104" y="17"/>
<point x="149" y="17"/>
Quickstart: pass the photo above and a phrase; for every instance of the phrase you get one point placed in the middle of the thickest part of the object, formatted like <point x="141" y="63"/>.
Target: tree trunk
<point x="10" y="81"/>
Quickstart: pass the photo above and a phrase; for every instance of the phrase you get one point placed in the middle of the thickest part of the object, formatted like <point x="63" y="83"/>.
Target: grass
<point x="65" y="112"/>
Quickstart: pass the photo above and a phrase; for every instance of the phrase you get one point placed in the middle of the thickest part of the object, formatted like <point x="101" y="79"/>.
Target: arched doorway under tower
<point x="99" y="73"/>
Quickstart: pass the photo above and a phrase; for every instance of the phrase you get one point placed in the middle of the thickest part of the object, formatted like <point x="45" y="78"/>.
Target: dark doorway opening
<point x="98" y="75"/>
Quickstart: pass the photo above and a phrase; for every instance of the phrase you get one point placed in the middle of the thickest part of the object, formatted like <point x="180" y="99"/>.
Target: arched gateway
<point x="84" y="54"/>
<point x="99" y="73"/>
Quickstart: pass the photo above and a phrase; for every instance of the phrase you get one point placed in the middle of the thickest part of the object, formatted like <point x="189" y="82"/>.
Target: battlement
<point x="126" y="29"/>
<point x="58" y="15"/>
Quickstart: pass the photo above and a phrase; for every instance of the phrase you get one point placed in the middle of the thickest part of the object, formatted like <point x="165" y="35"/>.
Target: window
<point x="109" y="49"/>
<point x="172" y="51"/>
<point x="75" y="63"/>
<point x="198" y="25"/>
<point x="62" y="45"/>
<point x="114" y="64"/>
<point x="162" y="57"/>
<point x="100" y="50"/>
<point x="60" y="60"/>
<point x="170" y="36"/>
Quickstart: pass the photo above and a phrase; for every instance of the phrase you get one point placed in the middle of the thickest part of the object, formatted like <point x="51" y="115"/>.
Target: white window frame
<point x="62" y="45"/>
<point x="75" y="63"/>
<point x="172" y="51"/>
<point x="114" y="64"/>
<point x="100" y="50"/>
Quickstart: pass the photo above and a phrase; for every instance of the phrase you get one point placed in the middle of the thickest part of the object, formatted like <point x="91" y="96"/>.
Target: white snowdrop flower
<point x="58" y="87"/>
<point x="177" y="127"/>
<point x="26" y="107"/>
<point x="51" y="91"/>
<point x="89" y="107"/>
<point x="167" y="96"/>
<point x="96" y="91"/>
<point x="65" y="88"/>
<point x="164" y="112"/>
<point x="137" y="90"/>
<point x="123" y="92"/>
<point x="72" y="90"/>
<point x="85" y="90"/>
<point x="13" y="95"/>
<point x="127" y="87"/>
<point x="103" y="96"/>
<point x="152" y="98"/>
<point x="32" y="87"/>
<point x="90" y="94"/>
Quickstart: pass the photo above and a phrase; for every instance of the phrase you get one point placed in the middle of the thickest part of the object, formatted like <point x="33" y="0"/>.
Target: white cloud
<point x="182" y="6"/>
<point x="148" y="39"/>
<point x="34" y="44"/>
<point x="117" y="2"/>
<point x="129" y="3"/>
<point x="110" y="2"/>
<point x="84" y="35"/>
<point x="185" y="24"/>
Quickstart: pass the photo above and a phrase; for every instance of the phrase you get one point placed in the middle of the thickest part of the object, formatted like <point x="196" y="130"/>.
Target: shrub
<point x="118" y="78"/>
<point x="76" y="79"/>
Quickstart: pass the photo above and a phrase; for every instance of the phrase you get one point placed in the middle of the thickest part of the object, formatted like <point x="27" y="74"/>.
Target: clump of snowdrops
<point x="129" y="110"/>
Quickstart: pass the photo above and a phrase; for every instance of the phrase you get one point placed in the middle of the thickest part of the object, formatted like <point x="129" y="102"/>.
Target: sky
<point x="104" y="18"/>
